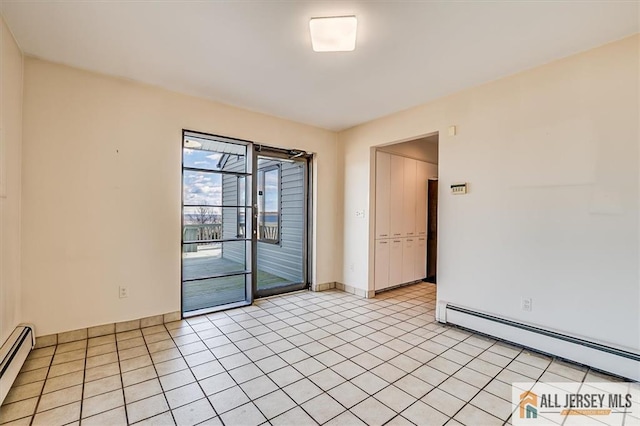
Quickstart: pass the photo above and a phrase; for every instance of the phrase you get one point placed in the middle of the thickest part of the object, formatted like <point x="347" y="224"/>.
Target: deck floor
<point x="207" y="293"/>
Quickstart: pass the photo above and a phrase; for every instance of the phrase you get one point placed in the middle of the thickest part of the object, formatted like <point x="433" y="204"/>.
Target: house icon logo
<point x="528" y="405"/>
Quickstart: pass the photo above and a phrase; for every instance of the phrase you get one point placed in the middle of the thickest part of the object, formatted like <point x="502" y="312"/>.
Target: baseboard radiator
<point x="13" y="354"/>
<point x="609" y="359"/>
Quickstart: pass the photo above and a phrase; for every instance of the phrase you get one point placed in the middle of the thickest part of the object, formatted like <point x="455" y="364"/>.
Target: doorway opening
<point x="282" y="237"/>
<point x="432" y="230"/>
<point x="405" y="210"/>
<point x="244" y="222"/>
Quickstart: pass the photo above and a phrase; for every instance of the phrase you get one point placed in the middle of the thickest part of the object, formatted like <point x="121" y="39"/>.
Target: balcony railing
<point x="267" y="232"/>
<point x="200" y="232"/>
<point x="213" y="231"/>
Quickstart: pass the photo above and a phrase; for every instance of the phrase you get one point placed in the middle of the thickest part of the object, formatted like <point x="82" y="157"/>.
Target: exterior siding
<point x="285" y="259"/>
<point x="234" y="251"/>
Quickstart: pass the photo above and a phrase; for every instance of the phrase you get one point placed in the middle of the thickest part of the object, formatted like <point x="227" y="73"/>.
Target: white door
<point x="383" y="190"/>
<point x="422" y="178"/>
<point x="408" y="260"/>
<point x="396" y="214"/>
<point x="381" y="277"/>
<point x="421" y="259"/>
<point x="409" y="198"/>
<point x="395" y="262"/>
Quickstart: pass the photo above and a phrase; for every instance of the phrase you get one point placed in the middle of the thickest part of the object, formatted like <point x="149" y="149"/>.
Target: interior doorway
<point x="405" y="212"/>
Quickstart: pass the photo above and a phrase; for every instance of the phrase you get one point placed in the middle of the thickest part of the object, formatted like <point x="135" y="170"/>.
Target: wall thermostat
<point x="459" y="188"/>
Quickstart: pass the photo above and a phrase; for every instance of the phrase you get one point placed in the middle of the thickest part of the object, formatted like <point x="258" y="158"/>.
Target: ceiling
<point x="257" y="54"/>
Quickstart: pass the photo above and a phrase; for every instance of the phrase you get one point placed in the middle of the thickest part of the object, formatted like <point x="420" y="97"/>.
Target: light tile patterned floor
<point x="305" y="358"/>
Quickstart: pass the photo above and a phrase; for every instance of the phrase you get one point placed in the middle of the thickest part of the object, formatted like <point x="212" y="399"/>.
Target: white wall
<point x="11" y="63"/>
<point x="101" y="192"/>
<point x="551" y="157"/>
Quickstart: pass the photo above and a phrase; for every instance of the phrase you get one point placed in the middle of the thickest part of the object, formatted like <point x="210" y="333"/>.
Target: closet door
<point x="381" y="277"/>
<point x="396" y="213"/>
<point x="408" y="260"/>
<point x="395" y="262"/>
<point x="422" y="177"/>
<point x="409" y="199"/>
<point x="420" y="263"/>
<point x="383" y="192"/>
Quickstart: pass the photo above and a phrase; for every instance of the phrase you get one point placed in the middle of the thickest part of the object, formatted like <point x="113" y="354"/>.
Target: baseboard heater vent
<point x="13" y="354"/>
<point x="609" y="359"/>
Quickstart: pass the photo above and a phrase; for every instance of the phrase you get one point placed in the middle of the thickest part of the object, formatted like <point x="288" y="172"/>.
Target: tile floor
<point x="304" y="358"/>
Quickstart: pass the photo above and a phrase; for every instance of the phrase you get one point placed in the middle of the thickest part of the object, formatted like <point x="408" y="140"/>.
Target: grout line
<point x="194" y="376"/>
<point x="35" y="410"/>
<point x="243" y="351"/>
<point x="452" y="375"/>
<point x="84" y="374"/>
<point x="250" y="362"/>
<point x="124" y="400"/>
<point x="279" y="388"/>
<point x="153" y="364"/>
<point x="410" y="308"/>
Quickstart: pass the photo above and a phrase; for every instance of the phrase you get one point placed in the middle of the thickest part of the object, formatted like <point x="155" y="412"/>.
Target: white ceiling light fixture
<point x="333" y="34"/>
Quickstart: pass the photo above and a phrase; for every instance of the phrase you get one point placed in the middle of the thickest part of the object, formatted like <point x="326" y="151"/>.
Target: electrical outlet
<point x="124" y="292"/>
<point x="360" y="214"/>
<point x="352" y="267"/>
<point x="526" y="304"/>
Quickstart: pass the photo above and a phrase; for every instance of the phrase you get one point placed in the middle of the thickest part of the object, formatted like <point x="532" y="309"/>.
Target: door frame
<point x="248" y="173"/>
<point x="295" y="155"/>
<point x="254" y="150"/>
<point x="372" y="203"/>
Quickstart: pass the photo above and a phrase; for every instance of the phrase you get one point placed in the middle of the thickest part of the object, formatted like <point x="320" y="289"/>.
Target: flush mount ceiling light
<point x="333" y="34"/>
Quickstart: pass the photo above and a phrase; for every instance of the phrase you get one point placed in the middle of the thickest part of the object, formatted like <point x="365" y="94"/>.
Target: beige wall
<point x="424" y="149"/>
<point x="11" y="63"/>
<point x="551" y="157"/>
<point x="101" y="192"/>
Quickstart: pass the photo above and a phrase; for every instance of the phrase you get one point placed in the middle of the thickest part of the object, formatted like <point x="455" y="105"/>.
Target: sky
<point x="201" y="188"/>
<point x="206" y="188"/>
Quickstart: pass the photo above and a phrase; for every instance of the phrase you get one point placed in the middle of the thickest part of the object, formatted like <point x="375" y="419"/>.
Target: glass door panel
<point x="281" y="261"/>
<point x="244" y="222"/>
<point x="216" y="238"/>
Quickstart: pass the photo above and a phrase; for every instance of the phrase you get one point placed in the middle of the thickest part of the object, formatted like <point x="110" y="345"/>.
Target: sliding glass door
<point x="245" y="222"/>
<point x="216" y="223"/>
<point x="282" y="205"/>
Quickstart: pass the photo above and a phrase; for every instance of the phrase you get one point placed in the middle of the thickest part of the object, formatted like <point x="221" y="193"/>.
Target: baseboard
<point x="612" y="360"/>
<point x="399" y="286"/>
<point x="323" y="286"/>
<point x="369" y="294"/>
<point x="103" y="330"/>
